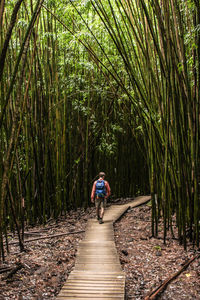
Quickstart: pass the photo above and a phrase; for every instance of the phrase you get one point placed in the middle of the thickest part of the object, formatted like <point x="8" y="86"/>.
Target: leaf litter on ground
<point x="46" y="263"/>
<point x="149" y="262"/>
<point x="146" y="261"/>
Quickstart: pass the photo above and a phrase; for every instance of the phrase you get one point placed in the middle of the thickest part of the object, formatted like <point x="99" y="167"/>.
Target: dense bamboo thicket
<point x="159" y="43"/>
<point x="61" y="118"/>
<point x="99" y="85"/>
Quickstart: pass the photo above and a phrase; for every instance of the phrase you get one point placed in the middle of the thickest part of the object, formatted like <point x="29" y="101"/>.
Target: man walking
<point x="100" y="193"/>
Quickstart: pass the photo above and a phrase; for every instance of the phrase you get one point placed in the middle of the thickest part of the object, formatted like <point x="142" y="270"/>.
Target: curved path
<point x="97" y="273"/>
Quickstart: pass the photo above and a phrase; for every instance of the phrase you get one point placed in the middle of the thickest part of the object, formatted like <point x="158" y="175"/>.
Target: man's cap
<point x="101" y="174"/>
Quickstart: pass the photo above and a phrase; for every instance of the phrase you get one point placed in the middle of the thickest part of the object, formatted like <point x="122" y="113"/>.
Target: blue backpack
<point x="100" y="189"/>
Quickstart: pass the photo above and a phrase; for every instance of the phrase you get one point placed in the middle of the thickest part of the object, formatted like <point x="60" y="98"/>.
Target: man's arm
<point x="93" y="192"/>
<point x="108" y="190"/>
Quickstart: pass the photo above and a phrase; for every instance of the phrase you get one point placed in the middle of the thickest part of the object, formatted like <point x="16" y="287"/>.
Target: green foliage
<point x="157" y="247"/>
<point x="107" y="144"/>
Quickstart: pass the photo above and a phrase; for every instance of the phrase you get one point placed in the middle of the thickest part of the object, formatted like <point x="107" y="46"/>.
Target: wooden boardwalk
<point x="97" y="273"/>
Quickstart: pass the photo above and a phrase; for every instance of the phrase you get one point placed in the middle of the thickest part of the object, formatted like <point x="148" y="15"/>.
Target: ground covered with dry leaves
<point x="47" y="262"/>
<point x="147" y="262"/>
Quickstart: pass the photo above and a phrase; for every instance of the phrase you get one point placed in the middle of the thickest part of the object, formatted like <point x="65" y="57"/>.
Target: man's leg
<point x="97" y="212"/>
<point x="103" y="205"/>
<point x="97" y="204"/>
<point x="102" y="212"/>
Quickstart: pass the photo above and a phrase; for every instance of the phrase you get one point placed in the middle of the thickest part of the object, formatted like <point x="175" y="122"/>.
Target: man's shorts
<point x="100" y="202"/>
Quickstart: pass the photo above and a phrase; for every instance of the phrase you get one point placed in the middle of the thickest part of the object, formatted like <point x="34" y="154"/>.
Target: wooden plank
<point x="97" y="276"/>
<point x="88" y="288"/>
<point x="91" y="267"/>
<point x="86" y="292"/>
<point x="97" y="260"/>
<point x="83" y="297"/>
<point x="93" y="283"/>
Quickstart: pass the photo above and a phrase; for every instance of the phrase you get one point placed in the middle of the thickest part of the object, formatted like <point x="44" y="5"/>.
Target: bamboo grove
<point x="159" y="43"/>
<point x="99" y="85"/>
<point x="60" y="123"/>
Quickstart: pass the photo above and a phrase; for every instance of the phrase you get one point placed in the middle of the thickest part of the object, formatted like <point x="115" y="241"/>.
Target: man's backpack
<point x="100" y="189"/>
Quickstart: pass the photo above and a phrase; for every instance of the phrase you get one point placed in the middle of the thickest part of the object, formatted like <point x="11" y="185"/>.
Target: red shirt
<point x="108" y="191"/>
